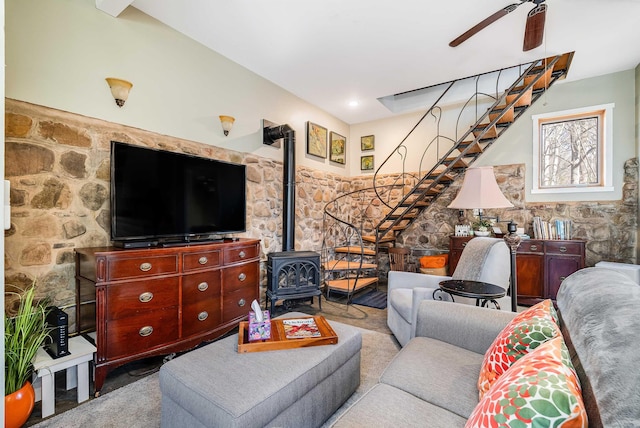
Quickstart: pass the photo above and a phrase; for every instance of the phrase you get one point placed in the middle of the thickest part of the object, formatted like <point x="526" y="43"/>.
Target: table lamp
<point x="480" y="191"/>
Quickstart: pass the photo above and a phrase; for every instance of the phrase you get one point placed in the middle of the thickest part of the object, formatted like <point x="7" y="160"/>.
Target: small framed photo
<point x="337" y="148"/>
<point x="367" y="142"/>
<point x="316" y="140"/>
<point x="366" y="163"/>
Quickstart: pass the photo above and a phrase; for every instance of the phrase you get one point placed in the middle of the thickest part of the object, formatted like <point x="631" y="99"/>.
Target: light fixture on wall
<point x="480" y="190"/>
<point x="227" y="123"/>
<point x="119" y="89"/>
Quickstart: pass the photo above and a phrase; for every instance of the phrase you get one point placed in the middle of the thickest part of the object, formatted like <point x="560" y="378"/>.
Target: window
<point x="572" y="150"/>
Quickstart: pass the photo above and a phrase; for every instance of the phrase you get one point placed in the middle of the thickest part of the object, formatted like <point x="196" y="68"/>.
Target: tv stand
<point x="156" y="301"/>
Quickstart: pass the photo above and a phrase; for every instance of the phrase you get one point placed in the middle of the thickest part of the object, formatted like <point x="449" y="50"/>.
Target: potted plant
<point x="24" y="332"/>
<point x="481" y="227"/>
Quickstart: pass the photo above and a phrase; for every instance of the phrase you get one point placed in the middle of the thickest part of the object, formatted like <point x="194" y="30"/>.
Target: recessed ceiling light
<point x="354" y="103"/>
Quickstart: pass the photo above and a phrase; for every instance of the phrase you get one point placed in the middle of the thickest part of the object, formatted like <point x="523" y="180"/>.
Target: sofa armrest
<point x="470" y="327"/>
<point x="398" y="279"/>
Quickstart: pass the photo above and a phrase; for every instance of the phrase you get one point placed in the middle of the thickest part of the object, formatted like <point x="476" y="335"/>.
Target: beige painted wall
<point x="59" y="52"/>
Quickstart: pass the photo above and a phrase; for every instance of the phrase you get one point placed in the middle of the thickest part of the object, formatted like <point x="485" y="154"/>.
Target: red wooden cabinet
<point x="155" y="301"/>
<point x="541" y="265"/>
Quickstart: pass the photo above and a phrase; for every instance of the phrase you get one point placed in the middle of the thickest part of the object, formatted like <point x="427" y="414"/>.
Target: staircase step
<point x="507" y="117"/>
<point x="453" y="163"/>
<point x="346" y="265"/>
<point x="406" y="215"/>
<point x="490" y="134"/>
<point x="372" y="239"/>
<point x="419" y="204"/>
<point x="346" y="285"/>
<point x="476" y="148"/>
<point x="355" y="250"/>
<point x="524" y="97"/>
<point x="544" y="81"/>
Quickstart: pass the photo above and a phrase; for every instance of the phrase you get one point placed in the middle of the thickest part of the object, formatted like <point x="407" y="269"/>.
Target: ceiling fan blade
<point x="534" y="30"/>
<point x="484" y="23"/>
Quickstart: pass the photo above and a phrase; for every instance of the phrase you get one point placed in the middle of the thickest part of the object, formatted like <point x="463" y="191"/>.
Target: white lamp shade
<point x="480" y="190"/>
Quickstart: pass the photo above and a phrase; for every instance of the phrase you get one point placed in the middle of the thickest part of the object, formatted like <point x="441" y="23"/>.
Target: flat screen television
<point x="160" y="197"/>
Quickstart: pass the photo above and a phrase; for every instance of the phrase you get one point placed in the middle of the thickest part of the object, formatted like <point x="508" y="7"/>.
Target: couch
<point x="432" y="380"/>
<point x="483" y="259"/>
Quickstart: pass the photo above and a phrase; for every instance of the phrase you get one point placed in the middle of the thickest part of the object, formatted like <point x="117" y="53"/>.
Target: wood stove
<point x="292" y="275"/>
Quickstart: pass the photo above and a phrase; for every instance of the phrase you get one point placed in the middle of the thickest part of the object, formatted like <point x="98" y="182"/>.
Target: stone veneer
<point x="58" y="164"/>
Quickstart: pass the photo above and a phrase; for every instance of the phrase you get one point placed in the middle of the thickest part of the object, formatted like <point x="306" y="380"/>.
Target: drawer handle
<point x="242" y="254"/>
<point x="203" y="316"/>
<point x="146" y="331"/>
<point x="242" y="302"/>
<point x="146" y="297"/>
<point x="242" y="277"/>
<point x="145" y="267"/>
<point x="464" y="244"/>
<point x="562" y="278"/>
<point x="203" y="286"/>
<point x="563" y="249"/>
<point x="534" y="247"/>
<point x="203" y="260"/>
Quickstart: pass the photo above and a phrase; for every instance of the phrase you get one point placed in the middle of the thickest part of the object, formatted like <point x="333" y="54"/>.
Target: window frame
<point x="605" y="142"/>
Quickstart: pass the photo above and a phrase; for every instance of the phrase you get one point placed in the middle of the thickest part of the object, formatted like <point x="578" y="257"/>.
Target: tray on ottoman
<point x="279" y="339"/>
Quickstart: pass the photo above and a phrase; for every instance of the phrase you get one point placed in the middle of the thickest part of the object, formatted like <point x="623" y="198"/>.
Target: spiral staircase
<point x="359" y="225"/>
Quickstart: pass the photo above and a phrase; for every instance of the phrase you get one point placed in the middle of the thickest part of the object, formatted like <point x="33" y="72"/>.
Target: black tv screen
<point x="163" y="196"/>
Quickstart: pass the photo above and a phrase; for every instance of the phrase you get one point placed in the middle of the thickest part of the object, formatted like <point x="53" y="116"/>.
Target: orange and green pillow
<point x="541" y="389"/>
<point x="528" y="330"/>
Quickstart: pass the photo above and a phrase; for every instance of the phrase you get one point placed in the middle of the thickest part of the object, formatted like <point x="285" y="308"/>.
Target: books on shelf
<point x="300" y="328"/>
<point x="555" y="229"/>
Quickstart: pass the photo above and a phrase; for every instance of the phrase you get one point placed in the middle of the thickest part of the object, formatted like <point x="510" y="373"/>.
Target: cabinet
<point x="155" y="301"/>
<point x="541" y="265"/>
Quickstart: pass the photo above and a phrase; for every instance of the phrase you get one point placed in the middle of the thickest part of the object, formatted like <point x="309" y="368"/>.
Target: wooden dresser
<point x="541" y="265"/>
<point x="144" y="302"/>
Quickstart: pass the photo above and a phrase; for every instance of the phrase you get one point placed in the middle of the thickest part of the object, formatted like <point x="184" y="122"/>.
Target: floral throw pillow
<point x="528" y="330"/>
<point x="541" y="390"/>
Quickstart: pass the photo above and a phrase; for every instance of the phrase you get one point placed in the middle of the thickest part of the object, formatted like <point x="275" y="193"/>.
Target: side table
<point x="481" y="291"/>
<point x="77" y="366"/>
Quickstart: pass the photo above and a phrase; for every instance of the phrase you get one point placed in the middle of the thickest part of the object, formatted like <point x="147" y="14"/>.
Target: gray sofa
<point x="432" y="381"/>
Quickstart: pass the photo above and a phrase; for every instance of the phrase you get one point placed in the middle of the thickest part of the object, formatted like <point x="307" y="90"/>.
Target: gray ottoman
<point x="215" y="386"/>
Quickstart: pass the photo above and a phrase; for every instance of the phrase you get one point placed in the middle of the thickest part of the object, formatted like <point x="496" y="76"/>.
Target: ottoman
<point x="215" y="386"/>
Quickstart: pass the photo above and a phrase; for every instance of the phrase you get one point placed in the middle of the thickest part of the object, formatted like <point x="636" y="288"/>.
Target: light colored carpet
<point x="137" y="405"/>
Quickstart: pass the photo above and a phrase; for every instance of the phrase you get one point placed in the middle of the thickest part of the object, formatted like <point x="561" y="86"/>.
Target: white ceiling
<point x="330" y="52"/>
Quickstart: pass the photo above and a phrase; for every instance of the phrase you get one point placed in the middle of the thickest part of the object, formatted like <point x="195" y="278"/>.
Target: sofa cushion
<point x="540" y="389"/>
<point x="525" y="332"/>
<point x="386" y="406"/>
<point x="437" y="372"/>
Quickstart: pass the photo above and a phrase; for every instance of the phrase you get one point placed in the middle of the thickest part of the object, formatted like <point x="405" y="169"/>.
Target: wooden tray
<point x="279" y="341"/>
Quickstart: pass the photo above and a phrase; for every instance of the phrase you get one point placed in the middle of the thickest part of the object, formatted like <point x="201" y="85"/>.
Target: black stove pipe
<point x="289" y="181"/>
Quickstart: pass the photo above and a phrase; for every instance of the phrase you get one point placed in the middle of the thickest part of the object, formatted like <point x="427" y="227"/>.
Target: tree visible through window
<point x="573" y="150"/>
<point x="570" y="152"/>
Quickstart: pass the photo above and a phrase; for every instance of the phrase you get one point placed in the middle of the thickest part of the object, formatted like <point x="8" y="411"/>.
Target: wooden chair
<point x="398" y="258"/>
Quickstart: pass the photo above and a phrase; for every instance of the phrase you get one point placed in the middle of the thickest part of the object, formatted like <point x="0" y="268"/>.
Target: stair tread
<point x="346" y="285"/>
<point x="346" y="265"/>
<point x="372" y="239"/>
<point x="355" y="250"/>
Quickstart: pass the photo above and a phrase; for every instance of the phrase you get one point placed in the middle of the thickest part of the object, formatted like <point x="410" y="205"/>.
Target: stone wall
<point x="58" y="164"/>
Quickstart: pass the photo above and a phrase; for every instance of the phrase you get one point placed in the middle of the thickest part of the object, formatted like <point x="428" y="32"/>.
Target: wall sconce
<point x="227" y="123"/>
<point x="119" y="89"/>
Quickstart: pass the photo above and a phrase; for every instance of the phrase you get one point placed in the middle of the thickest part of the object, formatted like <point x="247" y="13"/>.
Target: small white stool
<point x="77" y="366"/>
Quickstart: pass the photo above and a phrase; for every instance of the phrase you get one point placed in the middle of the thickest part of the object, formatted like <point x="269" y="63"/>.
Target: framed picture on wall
<point x="367" y="143"/>
<point x="366" y="163"/>
<point x="337" y="149"/>
<point x="316" y="140"/>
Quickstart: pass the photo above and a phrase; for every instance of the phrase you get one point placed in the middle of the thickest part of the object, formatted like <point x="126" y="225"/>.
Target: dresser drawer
<point x="203" y="260"/>
<point x="134" y="267"/>
<point x="564" y="247"/>
<point x="128" y="298"/>
<point x="238" y="254"/>
<point x="142" y="332"/>
<point x="201" y="317"/>
<point x="531" y="246"/>
<point x="237" y="304"/>
<point x="240" y="276"/>
<point x="201" y="286"/>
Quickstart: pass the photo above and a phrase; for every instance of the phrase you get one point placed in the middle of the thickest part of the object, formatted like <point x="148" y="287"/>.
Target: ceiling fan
<point x="533" y="32"/>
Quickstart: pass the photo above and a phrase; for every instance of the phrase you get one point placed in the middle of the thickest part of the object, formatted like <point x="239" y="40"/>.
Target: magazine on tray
<point x="301" y="328"/>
